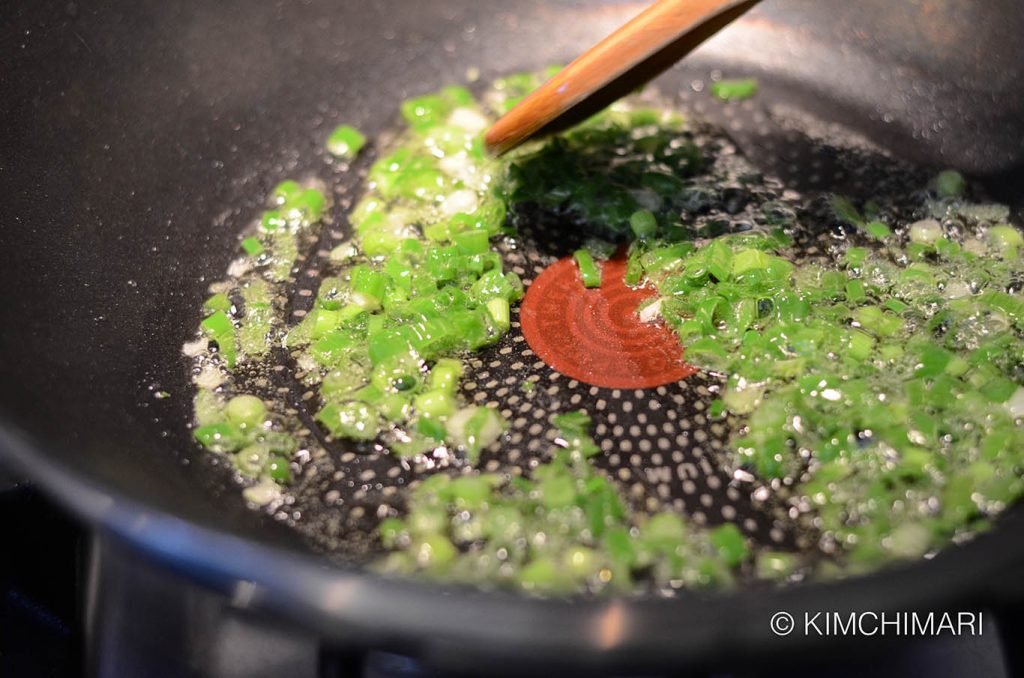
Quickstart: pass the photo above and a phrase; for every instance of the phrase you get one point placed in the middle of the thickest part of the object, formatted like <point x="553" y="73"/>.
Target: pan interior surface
<point x="141" y="138"/>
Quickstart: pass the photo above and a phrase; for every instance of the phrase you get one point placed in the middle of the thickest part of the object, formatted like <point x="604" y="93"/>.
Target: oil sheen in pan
<point x="656" y="438"/>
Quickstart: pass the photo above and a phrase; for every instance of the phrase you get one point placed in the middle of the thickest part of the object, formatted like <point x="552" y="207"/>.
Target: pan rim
<point x="446" y="623"/>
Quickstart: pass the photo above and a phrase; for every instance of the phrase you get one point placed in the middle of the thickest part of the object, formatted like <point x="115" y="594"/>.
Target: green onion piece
<point x="542" y="575"/>
<point x="575" y="422"/>
<point x="877" y="229"/>
<point x="589" y="272"/>
<point x="218" y="302"/>
<point x="494" y="283"/>
<point x="435" y="404"/>
<point x="438" y="232"/>
<point x="445" y="375"/>
<point x="471" y="492"/>
<point x="251" y="461"/>
<point x="258" y="319"/>
<point x="391" y="530"/>
<point x="279" y="469"/>
<point x="748" y="260"/>
<point x="434" y="553"/>
<point x="223" y="437"/>
<point x="286" y="251"/>
<point x="339" y="383"/>
<point x="743" y="400"/>
<point x="775" y="564"/>
<point x="368" y="282"/>
<point x="855" y="257"/>
<point x="424" y="112"/>
<point x="730" y="90"/>
<point x="925" y="232"/>
<point x="285" y="191"/>
<point x="718" y="258"/>
<point x="580" y="562"/>
<point x="331" y="294"/>
<point x="252" y="246"/>
<point x="731" y="544"/>
<point x="333" y="348"/>
<point x="844" y="211"/>
<point x="246" y="410"/>
<point x="395" y="407"/>
<point x="456" y="95"/>
<point x="574" y="427"/>
<point x="345" y="142"/>
<point x="219" y="328"/>
<point x="557" y="491"/>
<point x="430" y="519"/>
<point x="218" y="324"/>
<point x="861" y="345"/>
<point x="474" y="428"/>
<point x="895" y="305"/>
<point x="950" y="184"/>
<point x="875" y="321"/>
<point x="1006" y="240"/>
<point x="855" y="291"/>
<point x="324" y="322"/>
<point x="932" y="361"/>
<point x="947" y="248"/>
<point x="500" y="312"/>
<point x="209" y="409"/>
<point x="643" y="223"/>
<point x="432" y="428"/>
<point x="665" y="531"/>
<point x="619" y="545"/>
<point x="999" y="389"/>
<point x="271" y="221"/>
<point x="472" y="242"/>
<point x="309" y="204"/>
<point x="353" y="419"/>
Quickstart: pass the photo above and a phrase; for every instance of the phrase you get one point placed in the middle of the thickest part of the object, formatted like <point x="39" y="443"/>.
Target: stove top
<point x="73" y="603"/>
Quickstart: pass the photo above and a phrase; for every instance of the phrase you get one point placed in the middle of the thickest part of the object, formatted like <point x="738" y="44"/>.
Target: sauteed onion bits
<point x="869" y="387"/>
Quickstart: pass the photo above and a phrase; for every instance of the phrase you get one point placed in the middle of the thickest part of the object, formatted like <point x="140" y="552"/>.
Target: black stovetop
<point x="57" y="580"/>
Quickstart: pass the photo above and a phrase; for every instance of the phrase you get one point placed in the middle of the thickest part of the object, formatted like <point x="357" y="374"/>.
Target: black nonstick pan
<point x="138" y="137"/>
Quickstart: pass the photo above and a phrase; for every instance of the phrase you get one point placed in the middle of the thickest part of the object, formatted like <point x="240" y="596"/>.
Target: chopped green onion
<point x="345" y="142"/>
<point x="729" y="90"/>
<point x="279" y="469"/>
<point x="435" y="404"/>
<point x="925" y="232"/>
<point x="285" y="191"/>
<point x="643" y="223"/>
<point x="878" y="230"/>
<point x="352" y="419"/>
<point x="218" y="302"/>
<point x="730" y="544"/>
<point x="220" y="328"/>
<point x="950" y="184"/>
<point x="589" y="271"/>
<point x="246" y="410"/>
<point x="1006" y="240"/>
<point x="223" y="437"/>
<point x="445" y="375"/>
<point x="252" y="246"/>
<point x="499" y="310"/>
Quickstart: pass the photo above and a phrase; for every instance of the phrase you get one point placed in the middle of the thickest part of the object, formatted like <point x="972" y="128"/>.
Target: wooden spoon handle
<point x="653" y="40"/>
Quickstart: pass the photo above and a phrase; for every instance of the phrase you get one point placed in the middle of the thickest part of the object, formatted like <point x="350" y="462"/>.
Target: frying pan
<point x="138" y="137"/>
